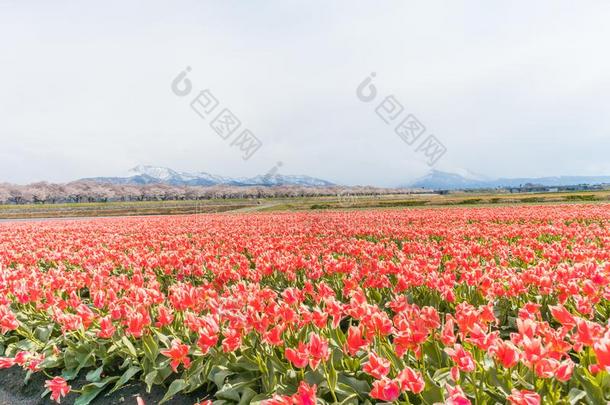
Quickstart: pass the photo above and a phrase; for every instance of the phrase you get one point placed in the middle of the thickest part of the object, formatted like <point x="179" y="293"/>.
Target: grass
<point x="119" y="209"/>
<point x="291" y="204"/>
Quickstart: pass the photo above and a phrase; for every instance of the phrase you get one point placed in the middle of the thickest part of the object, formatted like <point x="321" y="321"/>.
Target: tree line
<point x="87" y="191"/>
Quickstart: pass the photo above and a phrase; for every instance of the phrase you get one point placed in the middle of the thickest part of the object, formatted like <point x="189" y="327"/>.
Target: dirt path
<point x="254" y="208"/>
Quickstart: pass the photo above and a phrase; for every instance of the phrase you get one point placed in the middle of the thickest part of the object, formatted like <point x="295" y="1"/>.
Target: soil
<point x="14" y="391"/>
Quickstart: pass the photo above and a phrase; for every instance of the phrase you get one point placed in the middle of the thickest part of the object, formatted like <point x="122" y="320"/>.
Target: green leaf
<point x="127" y="375"/>
<point x="390" y="354"/>
<point x="151" y="348"/>
<point x="432" y="392"/>
<point x="77" y="358"/>
<point x="332" y="378"/>
<point x="162" y="374"/>
<point x="94" y="375"/>
<point x="575" y="395"/>
<point x="493" y="394"/>
<point x="433" y="354"/>
<point x="258" y="399"/>
<point x="149" y="379"/>
<point x="246" y="396"/>
<point x="51" y="361"/>
<point x="350" y="400"/>
<point x="522" y="381"/>
<point x="43" y="333"/>
<point x="343" y="391"/>
<point x="126" y="363"/>
<point x="375" y="295"/>
<point x="229" y="393"/>
<point x="90" y="391"/>
<point x="26" y="345"/>
<point x="70" y="374"/>
<point x="195" y="375"/>
<point x="270" y="379"/>
<point x="244" y="364"/>
<point x="164" y="339"/>
<point x="442" y="375"/>
<point x="129" y="346"/>
<point x="592" y="389"/>
<point x="218" y="375"/>
<point x="314" y="377"/>
<point x="175" y="387"/>
<point x="498" y="381"/>
<point x="358" y="386"/>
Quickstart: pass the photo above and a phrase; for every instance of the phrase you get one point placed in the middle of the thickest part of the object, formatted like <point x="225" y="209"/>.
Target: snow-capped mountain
<point x="167" y="175"/>
<point x="161" y="173"/>
<point x="280" y="180"/>
<point x="145" y="174"/>
<point x="437" y="180"/>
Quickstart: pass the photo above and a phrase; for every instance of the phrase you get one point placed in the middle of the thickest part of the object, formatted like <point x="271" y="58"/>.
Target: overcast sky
<point x="511" y="89"/>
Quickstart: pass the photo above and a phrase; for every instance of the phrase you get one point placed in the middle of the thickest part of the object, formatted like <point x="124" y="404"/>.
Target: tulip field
<point x="502" y="305"/>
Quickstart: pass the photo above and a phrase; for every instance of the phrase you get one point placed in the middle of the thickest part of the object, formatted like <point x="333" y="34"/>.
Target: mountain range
<point x="435" y="180"/>
<point x="145" y="174"/>
<point x="438" y="180"/>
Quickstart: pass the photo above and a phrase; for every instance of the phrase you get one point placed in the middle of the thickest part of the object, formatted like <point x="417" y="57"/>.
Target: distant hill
<point x="145" y="174"/>
<point x="438" y="180"/>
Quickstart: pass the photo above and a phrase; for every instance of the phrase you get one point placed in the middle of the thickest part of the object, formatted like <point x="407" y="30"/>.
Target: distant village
<point x="534" y="188"/>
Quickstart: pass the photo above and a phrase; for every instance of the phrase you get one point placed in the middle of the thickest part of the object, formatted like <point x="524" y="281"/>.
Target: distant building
<point x="538" y="188"/>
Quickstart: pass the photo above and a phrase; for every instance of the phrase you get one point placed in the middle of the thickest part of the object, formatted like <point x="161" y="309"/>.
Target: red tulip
<point x="58" y="387"/>
<point x="506" y="353"/>
<point x="523" y="397"/>
<point x="456" y="396"/>
<point x="299" y="357"/>
<point x="386" y="390"/>
<point x="164" y="318"/>
<point x="317" y="350"/>
<point x="306" y="395"/>
<point x="107" y="329"/>
<point x="8" y="321"/>
<point x="178" y="353"/>
<point x="447" y="335"/>
<point x="564" y="372"/>
<point x="355" y="342"/>
<point x="602" y="350"/>
<point x="563" y="316"/>
<point x="7" y="362"/>
<point x="376" y="366"/>
<point x="461" y="357"/>
<point x="411" y="380"/>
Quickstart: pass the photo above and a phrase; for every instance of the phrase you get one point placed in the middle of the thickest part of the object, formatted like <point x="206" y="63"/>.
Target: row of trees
<point x="86" y="191"/>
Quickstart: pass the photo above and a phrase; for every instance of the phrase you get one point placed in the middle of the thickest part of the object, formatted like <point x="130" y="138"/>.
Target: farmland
<point x="481" y="305"/>
<point x="344" y="199"/>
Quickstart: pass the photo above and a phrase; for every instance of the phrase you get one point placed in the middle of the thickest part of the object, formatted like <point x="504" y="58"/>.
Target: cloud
<point x="515" y="89"/>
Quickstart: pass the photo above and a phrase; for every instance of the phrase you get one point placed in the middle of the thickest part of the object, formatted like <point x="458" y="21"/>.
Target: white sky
<point x="512" y="89"/>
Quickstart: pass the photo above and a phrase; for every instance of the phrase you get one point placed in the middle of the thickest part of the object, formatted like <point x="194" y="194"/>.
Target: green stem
<point x="330" y="386"/>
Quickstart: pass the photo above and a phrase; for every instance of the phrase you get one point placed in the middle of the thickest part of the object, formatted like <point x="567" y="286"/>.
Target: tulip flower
<point x="376" y="366"/>
<point x="59" y="388"/>
<point x="386" y="390"/>
<point x="178" y="353"/>
<point x="461" y="357"/>
<point x="411" y="380"/>
<point x="523" y="397"/>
